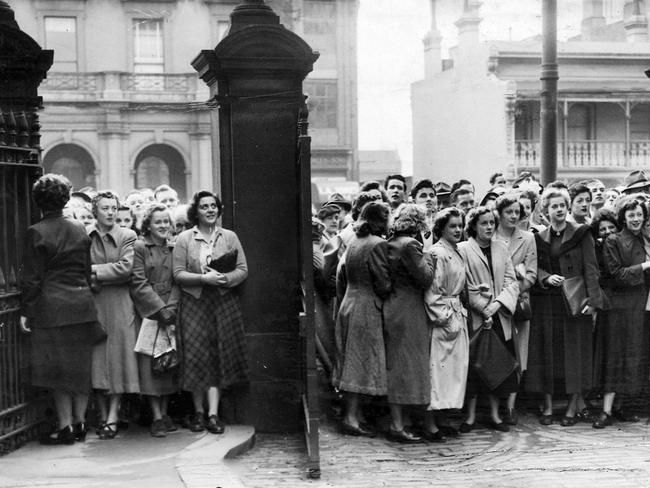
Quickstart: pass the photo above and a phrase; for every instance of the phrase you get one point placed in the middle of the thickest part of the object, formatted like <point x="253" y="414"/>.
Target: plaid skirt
<point x="212" y="342"/>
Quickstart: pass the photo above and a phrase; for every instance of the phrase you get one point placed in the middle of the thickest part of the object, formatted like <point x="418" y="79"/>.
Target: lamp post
<point x="548" y="94"/>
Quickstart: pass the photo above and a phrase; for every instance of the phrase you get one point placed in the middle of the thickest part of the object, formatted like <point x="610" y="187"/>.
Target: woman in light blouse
<point x="210" y="320"/>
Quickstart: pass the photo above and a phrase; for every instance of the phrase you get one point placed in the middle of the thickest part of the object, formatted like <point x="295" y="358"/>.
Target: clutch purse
<point x="575" y="296"/>
<point x="225" y="263"/>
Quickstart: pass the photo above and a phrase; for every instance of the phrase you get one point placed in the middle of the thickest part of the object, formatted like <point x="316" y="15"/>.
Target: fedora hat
<point x="636" y="180"/>
<point x="338" y="200"/>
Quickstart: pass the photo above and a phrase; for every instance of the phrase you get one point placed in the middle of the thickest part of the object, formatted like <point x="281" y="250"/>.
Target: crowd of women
<point x="131" y="299"/>
<point x="434" y="307"/>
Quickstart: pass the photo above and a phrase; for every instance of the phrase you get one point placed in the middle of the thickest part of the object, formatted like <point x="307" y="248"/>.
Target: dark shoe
<point x="602" y="421"/>
<point x="429" y="436"/>
<point x="107" y="431"/>
<point x="215" y="426"/>
<point x="501" y="426"/>
<point x="158" y="428"/>
<point x="169" y="424"/>
<point x="568" y="421"/>
<point x="511" y="417"/>
<point x="360" y="431"/>
<point x="62" y="437"/>
<point x="585" y="415"/>
<point x="546" y="419"/>
<point x="197" y="423"/>
<point x="622" y="416"/>
<point x="79" y="430"/>
<point x="466" y="428"/>
<point x="403" y="436"/>
<point x="448" y="431"/>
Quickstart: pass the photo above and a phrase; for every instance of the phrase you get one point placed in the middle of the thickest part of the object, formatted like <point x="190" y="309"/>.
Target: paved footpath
<point x="529" y="456"/>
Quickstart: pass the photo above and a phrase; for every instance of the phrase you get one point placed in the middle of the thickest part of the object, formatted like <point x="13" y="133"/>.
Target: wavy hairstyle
<point x="603" y="215"/>
<point x="51" y="192"/>
<point x="409" y="219"/>
<point x="443" y="217"/>
<point x="630" y="203"/>
<point x="193" y="210"/>
<point x="554" y="192"/>
<point x="472" y="219"/>
<point x="145" y="229"/>
<point x="101" y="195"/>
<point x="373" y="220"/>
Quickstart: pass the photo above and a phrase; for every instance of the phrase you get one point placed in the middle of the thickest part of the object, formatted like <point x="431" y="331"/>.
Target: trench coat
<point x="625" y="352"/>
<point x="406" y="326"/>
<point x="115" y="366"/>
<point x="362" y="282"/>
<point x="152" y="288"/>
<point x="449" y="357"/>
<point x="560" y="354"/>
<point x="523" y="253"/>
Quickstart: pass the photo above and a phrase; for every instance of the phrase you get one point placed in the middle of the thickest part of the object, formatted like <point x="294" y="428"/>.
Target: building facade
<point x="478" y="111"/>
<point x="124" y="109"/>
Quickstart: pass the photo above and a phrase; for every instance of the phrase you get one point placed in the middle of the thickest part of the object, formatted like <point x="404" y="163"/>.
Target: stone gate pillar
<point x="255" y="76"/>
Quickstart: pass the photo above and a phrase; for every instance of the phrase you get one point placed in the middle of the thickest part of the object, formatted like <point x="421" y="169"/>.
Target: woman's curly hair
<point x="193" y="210"/>
<point x="51" y="192"/>
<point x="603" y="214"/>
<point x="443" y="217"/>
<point x="145" y="228"/>
<point x="103" y="194"/>
<point x="472" y="219"/>
<point x="409" y="219"/>
<point x="373" y="219"/>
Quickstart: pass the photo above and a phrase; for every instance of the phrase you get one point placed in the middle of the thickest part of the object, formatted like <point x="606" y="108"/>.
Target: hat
<point x="636" y="180"/>
<point x="492" y="194"/>
<point x="338" y="200"/>
<point x="442" y="188"/>
<point x="81" y="195"/>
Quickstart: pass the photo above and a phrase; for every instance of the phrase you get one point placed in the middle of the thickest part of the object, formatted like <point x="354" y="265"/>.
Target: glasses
<point x="207" y="206"/>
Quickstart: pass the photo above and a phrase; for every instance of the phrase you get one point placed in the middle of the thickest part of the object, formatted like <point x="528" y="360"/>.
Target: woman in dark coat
<point x="57" y="305"/>
<point x="156" y="297"/>
<point x="362" y="282"/>
<point x="560" y="348"/>
<point x="625" y="347"/>
<point x="406" y="327"/>
<point x="209" y="262"/>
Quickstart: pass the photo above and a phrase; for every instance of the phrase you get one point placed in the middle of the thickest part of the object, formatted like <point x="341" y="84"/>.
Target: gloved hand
<point x="165" y="316"/>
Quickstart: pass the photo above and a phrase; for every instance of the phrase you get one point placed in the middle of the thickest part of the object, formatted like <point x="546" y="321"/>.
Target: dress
<point x="115" y="366"/>
<point x="212" y="341"/>
<point x="449" y="358"/>
<point x="56" y="298"/>
<point x="363" y="281"/>
<point x="151" y="290"/>
<point x="623" y="347"/>
<point x="561" y="349"/>
<point x="406" y="326"/>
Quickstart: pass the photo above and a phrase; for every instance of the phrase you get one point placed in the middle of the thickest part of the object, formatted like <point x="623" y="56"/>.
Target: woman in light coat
<point x="493" y="291"/>
<point x="523" y="252"/>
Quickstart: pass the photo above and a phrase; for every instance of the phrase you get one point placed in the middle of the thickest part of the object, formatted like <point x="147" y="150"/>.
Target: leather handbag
<point x="490" y="358"/>
<point x="523" y="310"/>
<point x="575" y="296"/>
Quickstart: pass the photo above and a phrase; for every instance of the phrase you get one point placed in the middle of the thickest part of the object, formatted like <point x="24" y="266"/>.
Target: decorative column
<point x="255" y="75"/>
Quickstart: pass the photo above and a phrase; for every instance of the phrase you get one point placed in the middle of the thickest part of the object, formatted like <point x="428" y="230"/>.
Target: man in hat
<point x="636" y="182"/>
<point x="443" y="192"/>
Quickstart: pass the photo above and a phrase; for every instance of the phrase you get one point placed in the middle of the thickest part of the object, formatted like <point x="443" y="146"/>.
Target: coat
<point x="449" y="358"/>
<point x="362" y="282"/>
<point x="406" y="327"/>
<point x="504" y="287"/>
<point x="624" y="355"/>
<point x="561" y="347"/>
<point x="523" y="253"/>
<point x="115" y="367"/>
<point x="55" y="274"/>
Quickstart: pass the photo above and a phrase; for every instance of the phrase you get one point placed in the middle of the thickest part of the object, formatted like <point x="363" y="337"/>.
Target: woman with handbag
<point x="625" y="348"/>
<point x="406" y="327"/>
<point x="449" y="352"/>
<point x="156" y="297"/>
<point x="208" y="263"/>
<point x="560" y="347"/>
<point x="57" y="307"/>
<point x="523" y="252"/>
<point x="492" y="294"/>
<point x="115" y="365"/>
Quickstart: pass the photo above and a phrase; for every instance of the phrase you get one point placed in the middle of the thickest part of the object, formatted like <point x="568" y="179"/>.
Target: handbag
<point x="523" y="310"/>
<point x="225" y="263"/>
<point x="167" y="360"/>
<point x="490" y="358"/>
<point x="575" y="296"/>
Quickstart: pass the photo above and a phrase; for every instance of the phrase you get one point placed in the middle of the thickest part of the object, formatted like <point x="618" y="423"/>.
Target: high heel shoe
<point x="79" y="431"/>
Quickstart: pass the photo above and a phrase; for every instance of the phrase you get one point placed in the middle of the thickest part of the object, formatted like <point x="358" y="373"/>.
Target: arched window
<point x="160" y="164"/>
<point x="73" y="162"/>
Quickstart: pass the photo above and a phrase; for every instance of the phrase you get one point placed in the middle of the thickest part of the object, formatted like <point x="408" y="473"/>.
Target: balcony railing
<point x="587" y="154"/>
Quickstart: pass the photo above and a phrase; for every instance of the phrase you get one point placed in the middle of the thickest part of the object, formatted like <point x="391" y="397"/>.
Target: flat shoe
<point x="359" y="431"/>
<point x="602" y="421"/>
<point x="585" y="415"/>
<point x="433" y="436"/>
<point x="546" y="419"/>
<point x="215" y="426"/>
<point x="466" y="428"/>
<point x="568" y="421"/>
<point x="402" y="436"/>
<point x="448" y="431"/>
<point x="501" y="426"/>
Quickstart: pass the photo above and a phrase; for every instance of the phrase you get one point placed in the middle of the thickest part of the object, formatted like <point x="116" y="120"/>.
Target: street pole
<point x="548" y="93"/>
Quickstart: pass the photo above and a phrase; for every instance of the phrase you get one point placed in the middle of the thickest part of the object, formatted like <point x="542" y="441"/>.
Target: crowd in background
<point x="131" y="296"/>
<point x="433" y="299"/>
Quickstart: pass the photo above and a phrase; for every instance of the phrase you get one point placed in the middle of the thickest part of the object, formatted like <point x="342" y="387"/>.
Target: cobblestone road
<point x="529" y="456"/>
